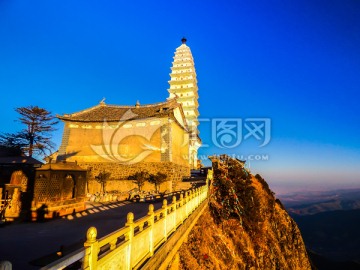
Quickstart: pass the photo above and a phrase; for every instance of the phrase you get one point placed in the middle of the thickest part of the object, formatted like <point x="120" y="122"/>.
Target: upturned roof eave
<point x="77" y="117"/>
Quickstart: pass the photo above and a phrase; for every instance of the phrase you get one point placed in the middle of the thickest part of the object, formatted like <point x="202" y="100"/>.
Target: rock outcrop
<point x="244" y="227"/>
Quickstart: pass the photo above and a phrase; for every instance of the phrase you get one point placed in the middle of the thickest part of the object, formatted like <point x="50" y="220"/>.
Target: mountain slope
<point x="245" y="227"/>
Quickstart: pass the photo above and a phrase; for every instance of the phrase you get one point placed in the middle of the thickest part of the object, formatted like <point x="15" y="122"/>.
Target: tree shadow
<point x="41" y="212"/>
<point x="65" y="156"/>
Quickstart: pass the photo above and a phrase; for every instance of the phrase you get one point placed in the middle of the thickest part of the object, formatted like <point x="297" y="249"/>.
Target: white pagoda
<point x="183" y="86"/>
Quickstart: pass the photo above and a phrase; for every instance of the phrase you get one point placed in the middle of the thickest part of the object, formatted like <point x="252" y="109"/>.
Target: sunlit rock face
<point x="244" y="227"/>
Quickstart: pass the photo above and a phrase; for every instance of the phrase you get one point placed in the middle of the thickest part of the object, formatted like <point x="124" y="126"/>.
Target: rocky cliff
<point x="244" y="227"/>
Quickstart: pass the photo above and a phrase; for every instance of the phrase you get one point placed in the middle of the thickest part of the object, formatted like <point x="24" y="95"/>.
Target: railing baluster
<point x="174" y="214"/>
<point x="181" y="208"/>
<point x="165" y="212"/>
<point x="151" y="232"/>
<point x="91" y="249"/>
<point x="130" y="224"/>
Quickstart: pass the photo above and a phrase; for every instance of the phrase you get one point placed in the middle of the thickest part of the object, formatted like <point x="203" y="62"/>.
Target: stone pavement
<point x="31" y="245"/>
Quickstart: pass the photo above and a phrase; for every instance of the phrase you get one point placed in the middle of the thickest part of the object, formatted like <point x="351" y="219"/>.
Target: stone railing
<point x="129" y="247"/>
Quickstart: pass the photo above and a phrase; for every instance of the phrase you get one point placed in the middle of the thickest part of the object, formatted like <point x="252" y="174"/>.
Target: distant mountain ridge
<point x="309" y="203"/>
<point x="329" y="223"/>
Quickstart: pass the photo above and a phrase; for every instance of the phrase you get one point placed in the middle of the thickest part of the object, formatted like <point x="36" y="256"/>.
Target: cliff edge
<point x="244" y="227"/>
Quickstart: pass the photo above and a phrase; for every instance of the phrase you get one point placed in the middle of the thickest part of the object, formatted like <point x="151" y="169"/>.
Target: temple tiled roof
<point x="102" y="112"/>
<point x="19" y="160"/>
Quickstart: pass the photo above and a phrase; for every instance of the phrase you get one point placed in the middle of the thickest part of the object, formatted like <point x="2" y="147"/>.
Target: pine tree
<point x="157" y="180"/>
<point x="139" y="178"/>
<point x="102" y="178"/>
<point x="35" y="137"/>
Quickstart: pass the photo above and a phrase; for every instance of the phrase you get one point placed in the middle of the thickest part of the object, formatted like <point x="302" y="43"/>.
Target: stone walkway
<point x="32" y="245"/>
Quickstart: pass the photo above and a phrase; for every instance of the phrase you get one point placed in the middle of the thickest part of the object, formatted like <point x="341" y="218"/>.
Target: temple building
<point x="126" y="139"/>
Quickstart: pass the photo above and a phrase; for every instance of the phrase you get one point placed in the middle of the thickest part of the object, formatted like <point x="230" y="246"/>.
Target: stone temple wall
<point x="123" y="187"/>
<point x="120" y="174"/>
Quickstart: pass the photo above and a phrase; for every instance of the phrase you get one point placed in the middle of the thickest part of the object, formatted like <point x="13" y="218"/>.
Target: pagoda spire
<point x="183" y="84"/>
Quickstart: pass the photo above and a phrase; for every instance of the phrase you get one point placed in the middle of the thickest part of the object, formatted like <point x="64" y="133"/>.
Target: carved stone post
<point x="165" y="212"/>
<point x="130" y="224"/>
<point x="151" y="231"/>
<point x="91" y="249"/>
<point x="181" y="208"/>
<point x="15" y="209"/>
<point x="5" y="265"/>
<point x="174" y="214"/>
<point x="187" y="197"/>
<point x="191" y="201"/>
<point x="198" y="197"/>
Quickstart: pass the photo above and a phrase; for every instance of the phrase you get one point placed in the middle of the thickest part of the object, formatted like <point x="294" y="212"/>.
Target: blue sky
<point x="294" y="62"/>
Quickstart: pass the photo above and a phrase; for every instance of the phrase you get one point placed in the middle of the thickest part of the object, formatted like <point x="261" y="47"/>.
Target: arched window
<point x="69" y="187"/>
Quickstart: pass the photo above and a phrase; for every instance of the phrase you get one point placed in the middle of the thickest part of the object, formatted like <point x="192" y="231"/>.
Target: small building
<point x="17" y="174"/>
<point x="16" y="170"/>
<point x="59" y="189"/>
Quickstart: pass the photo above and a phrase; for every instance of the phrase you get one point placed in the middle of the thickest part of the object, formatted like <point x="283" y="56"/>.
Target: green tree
<point x="139" y="178"/>
<point x="157" y="180"/>
<point x="101" y="178"/>
<point x="35" y="138"/>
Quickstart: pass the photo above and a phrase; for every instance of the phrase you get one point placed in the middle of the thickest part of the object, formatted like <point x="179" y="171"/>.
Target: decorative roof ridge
<point x="169" y="101"/>
<point x="85" y="110"/>
<point x="133" y="106"/>
<point x="79" y="112"/>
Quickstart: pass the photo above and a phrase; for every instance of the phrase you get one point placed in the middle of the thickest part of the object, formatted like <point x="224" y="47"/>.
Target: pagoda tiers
<point x="183" y="85"/>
